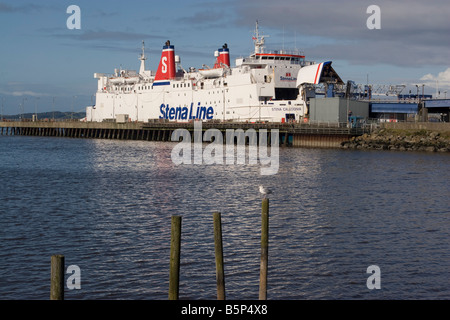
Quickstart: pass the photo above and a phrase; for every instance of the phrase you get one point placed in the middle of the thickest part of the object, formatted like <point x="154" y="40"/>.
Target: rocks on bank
<point x="402" y="140"/>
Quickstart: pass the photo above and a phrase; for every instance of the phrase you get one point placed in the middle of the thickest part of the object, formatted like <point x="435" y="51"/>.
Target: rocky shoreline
<point x="401" y="140"/>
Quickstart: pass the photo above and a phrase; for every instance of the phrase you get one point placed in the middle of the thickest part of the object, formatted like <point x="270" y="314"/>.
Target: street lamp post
<point x="1" y="115"/>
<point x="23" y="107"/>
<point x="73" y="100"/>
<point x="35" y="109"/>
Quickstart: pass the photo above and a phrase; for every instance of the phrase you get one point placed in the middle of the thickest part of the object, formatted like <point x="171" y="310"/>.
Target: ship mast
<point x="142" y="58"/>
<point x="258" y="40"/>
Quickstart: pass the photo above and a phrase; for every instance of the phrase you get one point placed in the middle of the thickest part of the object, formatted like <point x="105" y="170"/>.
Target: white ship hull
<point x="185" y="101"/>
<point x="263" y="87"/>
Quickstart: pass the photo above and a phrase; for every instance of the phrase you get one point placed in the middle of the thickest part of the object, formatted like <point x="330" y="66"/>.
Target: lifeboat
<point x="117" y="80"/>
<point x="212" y="73"/>
<point x="131" y="80"/>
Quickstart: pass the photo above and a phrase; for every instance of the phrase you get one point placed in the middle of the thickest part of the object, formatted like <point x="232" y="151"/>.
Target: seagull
<point x="264" y="191"/>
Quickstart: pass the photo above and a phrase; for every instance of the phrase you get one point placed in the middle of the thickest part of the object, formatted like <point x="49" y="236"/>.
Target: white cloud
<point x="24" y="93"/>
<point x="28" y="93"/>
<point x="443" y="78"/>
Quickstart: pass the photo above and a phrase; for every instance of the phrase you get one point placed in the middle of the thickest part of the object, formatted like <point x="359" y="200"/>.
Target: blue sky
<point x="42" y="61"/>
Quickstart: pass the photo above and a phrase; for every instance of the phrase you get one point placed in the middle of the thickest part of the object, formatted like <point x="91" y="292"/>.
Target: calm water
<point x="107" y="206"/>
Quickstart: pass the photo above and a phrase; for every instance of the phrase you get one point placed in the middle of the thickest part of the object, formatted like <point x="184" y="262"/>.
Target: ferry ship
<point x="267" y="86"/>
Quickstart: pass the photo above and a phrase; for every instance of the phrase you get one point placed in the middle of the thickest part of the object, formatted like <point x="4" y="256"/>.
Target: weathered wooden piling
<point x="264" y="249"/>
<point x="57" y="277"/>
<point x="220" y="274"/>
<point x="175" y="249"/>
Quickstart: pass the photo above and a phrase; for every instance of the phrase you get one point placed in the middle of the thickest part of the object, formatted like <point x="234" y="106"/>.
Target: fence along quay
<point x="326" y="135"/>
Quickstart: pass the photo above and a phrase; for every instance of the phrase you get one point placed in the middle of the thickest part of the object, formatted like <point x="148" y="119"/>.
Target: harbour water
<point x="106" y="205"/>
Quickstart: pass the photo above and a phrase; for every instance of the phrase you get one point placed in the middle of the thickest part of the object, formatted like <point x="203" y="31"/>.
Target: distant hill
<point x="57" y="115"/>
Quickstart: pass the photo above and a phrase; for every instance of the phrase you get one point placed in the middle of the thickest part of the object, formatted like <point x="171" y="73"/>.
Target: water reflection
<point x="107" y="205"/>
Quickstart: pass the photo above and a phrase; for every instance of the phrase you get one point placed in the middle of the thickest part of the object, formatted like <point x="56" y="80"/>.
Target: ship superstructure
<point x="266" y="86"/>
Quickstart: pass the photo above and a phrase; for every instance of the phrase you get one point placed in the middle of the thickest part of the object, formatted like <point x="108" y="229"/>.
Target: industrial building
<point x="341" y="110"/>
<point x="338" y="110"/>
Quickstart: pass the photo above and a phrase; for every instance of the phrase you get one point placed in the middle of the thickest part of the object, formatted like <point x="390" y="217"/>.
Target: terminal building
<point x="404" y="110"/>
<point x="337" y="108"/>
<point x="440" y="107"/>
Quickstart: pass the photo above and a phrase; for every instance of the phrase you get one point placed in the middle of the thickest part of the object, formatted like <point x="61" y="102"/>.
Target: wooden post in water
<point x="220" y="274"/>
<point x="57" y="277"/>
<point x="175" y="246"/>
<point x="264" y="249"/>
